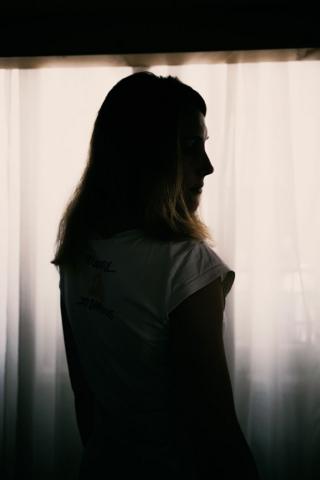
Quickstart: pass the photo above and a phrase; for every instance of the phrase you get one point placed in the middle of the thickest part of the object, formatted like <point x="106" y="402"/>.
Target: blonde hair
<point x="136" y="133"/>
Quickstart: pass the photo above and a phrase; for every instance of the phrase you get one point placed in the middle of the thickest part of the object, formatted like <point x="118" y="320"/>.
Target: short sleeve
<point x="194" y="266"/>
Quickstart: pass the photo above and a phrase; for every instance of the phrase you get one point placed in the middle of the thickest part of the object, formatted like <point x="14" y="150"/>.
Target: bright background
<point x="262" y="206"/>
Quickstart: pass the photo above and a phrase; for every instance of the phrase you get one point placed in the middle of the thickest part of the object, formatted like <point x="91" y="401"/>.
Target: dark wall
<point x="33" y="28"/>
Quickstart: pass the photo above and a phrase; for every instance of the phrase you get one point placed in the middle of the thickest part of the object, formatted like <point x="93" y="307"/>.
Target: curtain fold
<point x="10" y="263"/>
<point x="262" y="206"/>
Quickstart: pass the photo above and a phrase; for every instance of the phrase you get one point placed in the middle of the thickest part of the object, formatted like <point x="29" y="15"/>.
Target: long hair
<point x="134" y="170"/>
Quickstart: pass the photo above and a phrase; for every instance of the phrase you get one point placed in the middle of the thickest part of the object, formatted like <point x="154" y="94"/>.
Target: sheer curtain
<point x="262" y="206"/>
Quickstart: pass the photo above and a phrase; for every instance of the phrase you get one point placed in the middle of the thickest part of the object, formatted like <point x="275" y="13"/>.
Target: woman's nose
<point x="207" y="166"/>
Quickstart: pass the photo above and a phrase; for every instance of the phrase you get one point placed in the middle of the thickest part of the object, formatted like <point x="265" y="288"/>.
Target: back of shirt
<point x="118" y="304"/>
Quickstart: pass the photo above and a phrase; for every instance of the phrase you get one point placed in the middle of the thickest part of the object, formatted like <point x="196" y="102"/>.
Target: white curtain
<point x="262" y="205"/>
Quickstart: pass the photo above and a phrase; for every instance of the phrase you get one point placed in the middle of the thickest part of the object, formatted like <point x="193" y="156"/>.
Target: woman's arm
<point x="84" y="400"/>
<point x="203" y="388"/>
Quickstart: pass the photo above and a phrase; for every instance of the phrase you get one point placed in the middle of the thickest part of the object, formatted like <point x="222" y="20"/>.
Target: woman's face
<point x="192" y="137"/>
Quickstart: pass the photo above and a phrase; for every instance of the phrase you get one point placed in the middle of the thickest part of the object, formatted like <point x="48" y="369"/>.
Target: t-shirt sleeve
<point x="195" y="265"/>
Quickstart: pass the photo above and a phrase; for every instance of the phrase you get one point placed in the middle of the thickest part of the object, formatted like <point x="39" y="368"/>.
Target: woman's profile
<point x="143" y="293"/>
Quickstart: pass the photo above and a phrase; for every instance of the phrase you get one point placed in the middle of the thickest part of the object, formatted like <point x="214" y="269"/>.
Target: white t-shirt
<point x="117" y="304"/>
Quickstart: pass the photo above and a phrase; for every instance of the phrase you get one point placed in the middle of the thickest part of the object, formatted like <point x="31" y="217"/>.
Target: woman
<point x="143" y="294"/>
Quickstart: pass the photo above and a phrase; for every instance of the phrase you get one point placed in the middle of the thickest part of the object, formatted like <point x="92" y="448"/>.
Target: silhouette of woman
<point x="143" y="294"/>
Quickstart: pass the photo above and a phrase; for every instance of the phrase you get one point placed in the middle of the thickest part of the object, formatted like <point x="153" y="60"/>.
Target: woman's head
<point x="146" y="155"/>
<point x="196" y="164"/>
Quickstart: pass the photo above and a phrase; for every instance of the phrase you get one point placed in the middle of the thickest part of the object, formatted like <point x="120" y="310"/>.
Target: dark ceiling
<point x="34" y="28"/>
